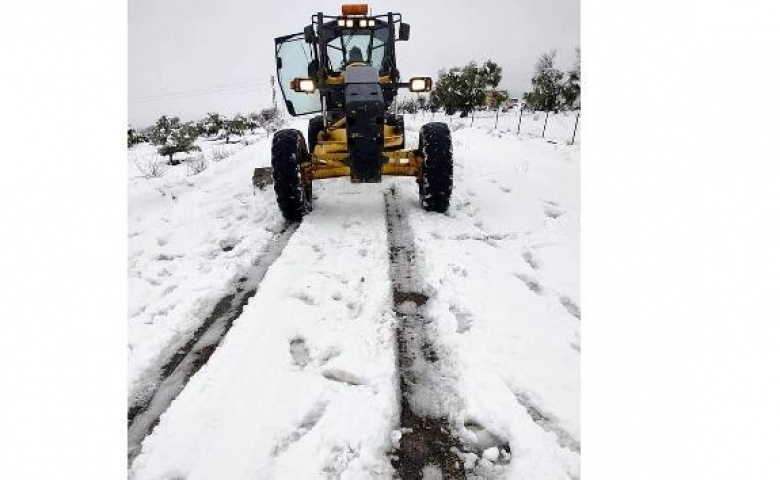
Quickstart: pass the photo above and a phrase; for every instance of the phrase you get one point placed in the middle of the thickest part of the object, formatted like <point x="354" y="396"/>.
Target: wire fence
<point x="561" y="127"/>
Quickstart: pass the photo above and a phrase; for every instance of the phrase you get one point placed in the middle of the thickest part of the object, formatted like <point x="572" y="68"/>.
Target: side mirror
<point x="403" y="32"/>
<point x="308" y="34"/>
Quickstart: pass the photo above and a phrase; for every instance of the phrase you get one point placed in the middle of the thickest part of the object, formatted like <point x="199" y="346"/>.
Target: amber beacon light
<point x="354" y="9"/>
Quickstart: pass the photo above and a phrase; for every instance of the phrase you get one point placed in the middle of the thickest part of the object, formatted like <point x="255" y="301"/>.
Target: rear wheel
<point x="436" y="181"/>
<point x="292" y="193"/>
<point x="316" y="125"/>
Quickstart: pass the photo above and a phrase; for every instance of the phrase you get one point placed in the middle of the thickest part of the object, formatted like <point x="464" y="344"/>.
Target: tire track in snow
<point x="547" y="422"/>
<point x="189" y="359"/>
<point x="427" y="441"/>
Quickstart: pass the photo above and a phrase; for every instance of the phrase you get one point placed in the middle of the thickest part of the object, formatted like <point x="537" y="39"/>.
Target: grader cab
<point x="342" y="70"/>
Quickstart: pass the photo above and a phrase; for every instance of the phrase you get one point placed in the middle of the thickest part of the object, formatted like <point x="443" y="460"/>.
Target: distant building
<point x="489" y="94"/>
<point x="510" y="104"/>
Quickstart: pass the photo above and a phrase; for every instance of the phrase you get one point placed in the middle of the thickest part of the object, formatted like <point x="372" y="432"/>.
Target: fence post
<point x="545" y="123"/>
<point x="576" y="122"/>
<point x="519" y="121"/>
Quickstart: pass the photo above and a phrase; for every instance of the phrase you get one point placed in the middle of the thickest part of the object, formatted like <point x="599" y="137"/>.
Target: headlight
<point x="371" y="23"/>
<point x="342" y="22"/>
<point x="420" y="84"/>
<point x="350" y="23"/>
<point x="363" y="23"/>
<point x="306" y="85"/>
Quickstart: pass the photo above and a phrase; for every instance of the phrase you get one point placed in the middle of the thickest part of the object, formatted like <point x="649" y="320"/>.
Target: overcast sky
<point x="189" y="57"/>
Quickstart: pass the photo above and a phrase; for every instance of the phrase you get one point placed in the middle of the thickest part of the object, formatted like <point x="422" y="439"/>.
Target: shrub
<point x="197" y="164"/>
<point x="151" y="167"/>
<point x="219" y="154"/>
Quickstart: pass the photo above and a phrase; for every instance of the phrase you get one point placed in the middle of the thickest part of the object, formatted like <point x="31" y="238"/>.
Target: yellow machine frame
<point x="330" y="155"/>
<point x="329" y="159"/>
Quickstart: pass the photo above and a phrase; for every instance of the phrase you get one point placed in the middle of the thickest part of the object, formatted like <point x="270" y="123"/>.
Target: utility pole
<point x="520" y="119"/>
<point x="273" y="92"/>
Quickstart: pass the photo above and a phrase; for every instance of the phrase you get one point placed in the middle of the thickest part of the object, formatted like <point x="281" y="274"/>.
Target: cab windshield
<point x="359" y="45"/>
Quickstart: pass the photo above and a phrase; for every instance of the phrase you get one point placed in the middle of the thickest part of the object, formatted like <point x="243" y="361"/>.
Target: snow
<point x="261" y="404"/>
<point x="491" y="454"/>
<point x="190" y="239"/>
<point x="498" y="268"/>
<point x="305" y="384"/>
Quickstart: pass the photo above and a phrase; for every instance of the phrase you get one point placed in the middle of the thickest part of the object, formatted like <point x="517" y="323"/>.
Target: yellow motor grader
<point x="343" y="69"/>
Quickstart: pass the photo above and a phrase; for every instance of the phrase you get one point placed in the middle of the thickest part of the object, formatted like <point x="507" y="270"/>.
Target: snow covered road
<point x="308" y="370"/>
<point x="306" y="382"/>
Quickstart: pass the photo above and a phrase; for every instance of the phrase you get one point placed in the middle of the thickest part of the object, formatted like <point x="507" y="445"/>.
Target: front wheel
<point x="436" y="181"/>
<point x="316" y="125"/>
<point x="293" y="193"/>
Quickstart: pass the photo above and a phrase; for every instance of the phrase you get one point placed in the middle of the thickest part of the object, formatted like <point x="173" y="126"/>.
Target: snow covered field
<point x="305" y="383"/>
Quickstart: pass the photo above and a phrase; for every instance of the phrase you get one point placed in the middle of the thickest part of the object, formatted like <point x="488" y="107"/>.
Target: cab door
<point x="293" y="56"/>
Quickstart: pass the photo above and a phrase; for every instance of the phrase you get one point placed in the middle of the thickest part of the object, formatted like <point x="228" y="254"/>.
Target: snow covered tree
<point x="272" y="119"/>
<point x="254" y="121"/>
<point x="213" y="123"/>
<point x="172" y="136"/>
<point x="448" y="91"/>
<point x="571" y="88"/>
<point x="473" y="86"/>
<point x="463" y="88"/>
<point x="235" y="126"/>
<point x="547" y="90"/>
<point x="409" y="106"/>
<point x="497" y="99"/>
<point x="492" y="73"/>
<point x="433" y="105"/>
<point x="269" y="119"/>
<point x="133" y="138"/>
<point x="423" y="103"/>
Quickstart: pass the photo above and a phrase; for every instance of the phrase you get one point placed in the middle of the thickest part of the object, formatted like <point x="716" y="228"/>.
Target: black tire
<point x="292" y="195"/>
<point x="436" y="182"/>
<point x="316" y="125"/>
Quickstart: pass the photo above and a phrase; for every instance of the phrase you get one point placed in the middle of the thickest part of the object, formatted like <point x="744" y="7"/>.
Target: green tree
<point x="172" y="136"/>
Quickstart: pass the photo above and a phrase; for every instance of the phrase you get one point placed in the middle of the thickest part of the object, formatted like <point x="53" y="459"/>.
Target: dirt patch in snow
<point x="426" y="440"/>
